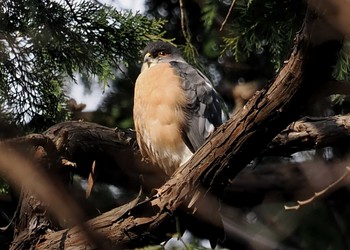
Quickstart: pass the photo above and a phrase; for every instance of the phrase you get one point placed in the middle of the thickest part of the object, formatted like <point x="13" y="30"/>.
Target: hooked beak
<point x="148" y="61"/>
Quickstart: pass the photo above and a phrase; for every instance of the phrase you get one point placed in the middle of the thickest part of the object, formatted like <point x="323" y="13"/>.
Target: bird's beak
<point x="148" y="61"/>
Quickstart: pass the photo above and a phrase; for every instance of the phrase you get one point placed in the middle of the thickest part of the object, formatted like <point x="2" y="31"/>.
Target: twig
<point x="228" y="14"/>
<point x="318" y="194"/>
<point x="183" y="17"/>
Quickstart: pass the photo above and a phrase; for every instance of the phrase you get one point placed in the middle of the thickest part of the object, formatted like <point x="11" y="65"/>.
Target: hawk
<point x="176" y="108"/>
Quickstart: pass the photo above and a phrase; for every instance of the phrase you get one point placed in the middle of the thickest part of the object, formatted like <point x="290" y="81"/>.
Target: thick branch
<point x="115" y="152"/>
<point x="311" y="133"/>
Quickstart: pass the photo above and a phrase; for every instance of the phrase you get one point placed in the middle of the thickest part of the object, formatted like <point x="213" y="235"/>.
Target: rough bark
<point x="310" y="133"/>
<point x="83" y="143"/>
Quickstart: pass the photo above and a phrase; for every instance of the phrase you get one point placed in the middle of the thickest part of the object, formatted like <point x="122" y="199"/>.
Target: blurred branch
<point x="30" y="164"/>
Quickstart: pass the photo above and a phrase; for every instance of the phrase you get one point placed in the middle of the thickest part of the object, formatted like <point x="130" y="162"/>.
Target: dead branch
<point x="114" y="151"/>
<point x="310" y="133"/>
<point x="320" y="193"/>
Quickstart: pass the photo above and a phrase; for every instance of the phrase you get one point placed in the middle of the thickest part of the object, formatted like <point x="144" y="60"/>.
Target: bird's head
<point x="158" y="52"/>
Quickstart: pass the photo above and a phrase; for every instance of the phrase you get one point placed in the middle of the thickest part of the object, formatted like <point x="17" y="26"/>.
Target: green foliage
<point x="342" y="69"/>
<point x="4" y="187"/>
<point x="209" y="13"/>
<point x="257" y="26"/>
<point x="116" y="108"/>
<point x="190" y="53"/>
<point x="43" y="42"/>
<point x="342" y="72"/>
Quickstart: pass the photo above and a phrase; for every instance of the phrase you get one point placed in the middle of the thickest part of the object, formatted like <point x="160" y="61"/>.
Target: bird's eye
<point x="161" y="53"/>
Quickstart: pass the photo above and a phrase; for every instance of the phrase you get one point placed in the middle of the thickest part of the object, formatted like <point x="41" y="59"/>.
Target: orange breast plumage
<point x="159" y="118"/>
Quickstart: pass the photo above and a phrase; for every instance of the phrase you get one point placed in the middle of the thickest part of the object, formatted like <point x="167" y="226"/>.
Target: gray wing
<point x="205" y="109"/>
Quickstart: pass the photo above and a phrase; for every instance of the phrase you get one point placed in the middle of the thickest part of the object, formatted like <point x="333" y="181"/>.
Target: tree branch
<point x="310" y="133"/>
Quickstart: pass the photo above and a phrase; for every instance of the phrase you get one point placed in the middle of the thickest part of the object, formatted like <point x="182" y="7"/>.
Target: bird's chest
<point x="158" y="114"/>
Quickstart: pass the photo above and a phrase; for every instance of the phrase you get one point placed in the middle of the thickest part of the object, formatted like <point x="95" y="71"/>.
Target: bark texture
<point x="311" y="133"/>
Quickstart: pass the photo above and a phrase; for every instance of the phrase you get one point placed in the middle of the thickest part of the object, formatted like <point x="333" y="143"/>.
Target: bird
<point x="176" y="107"/>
